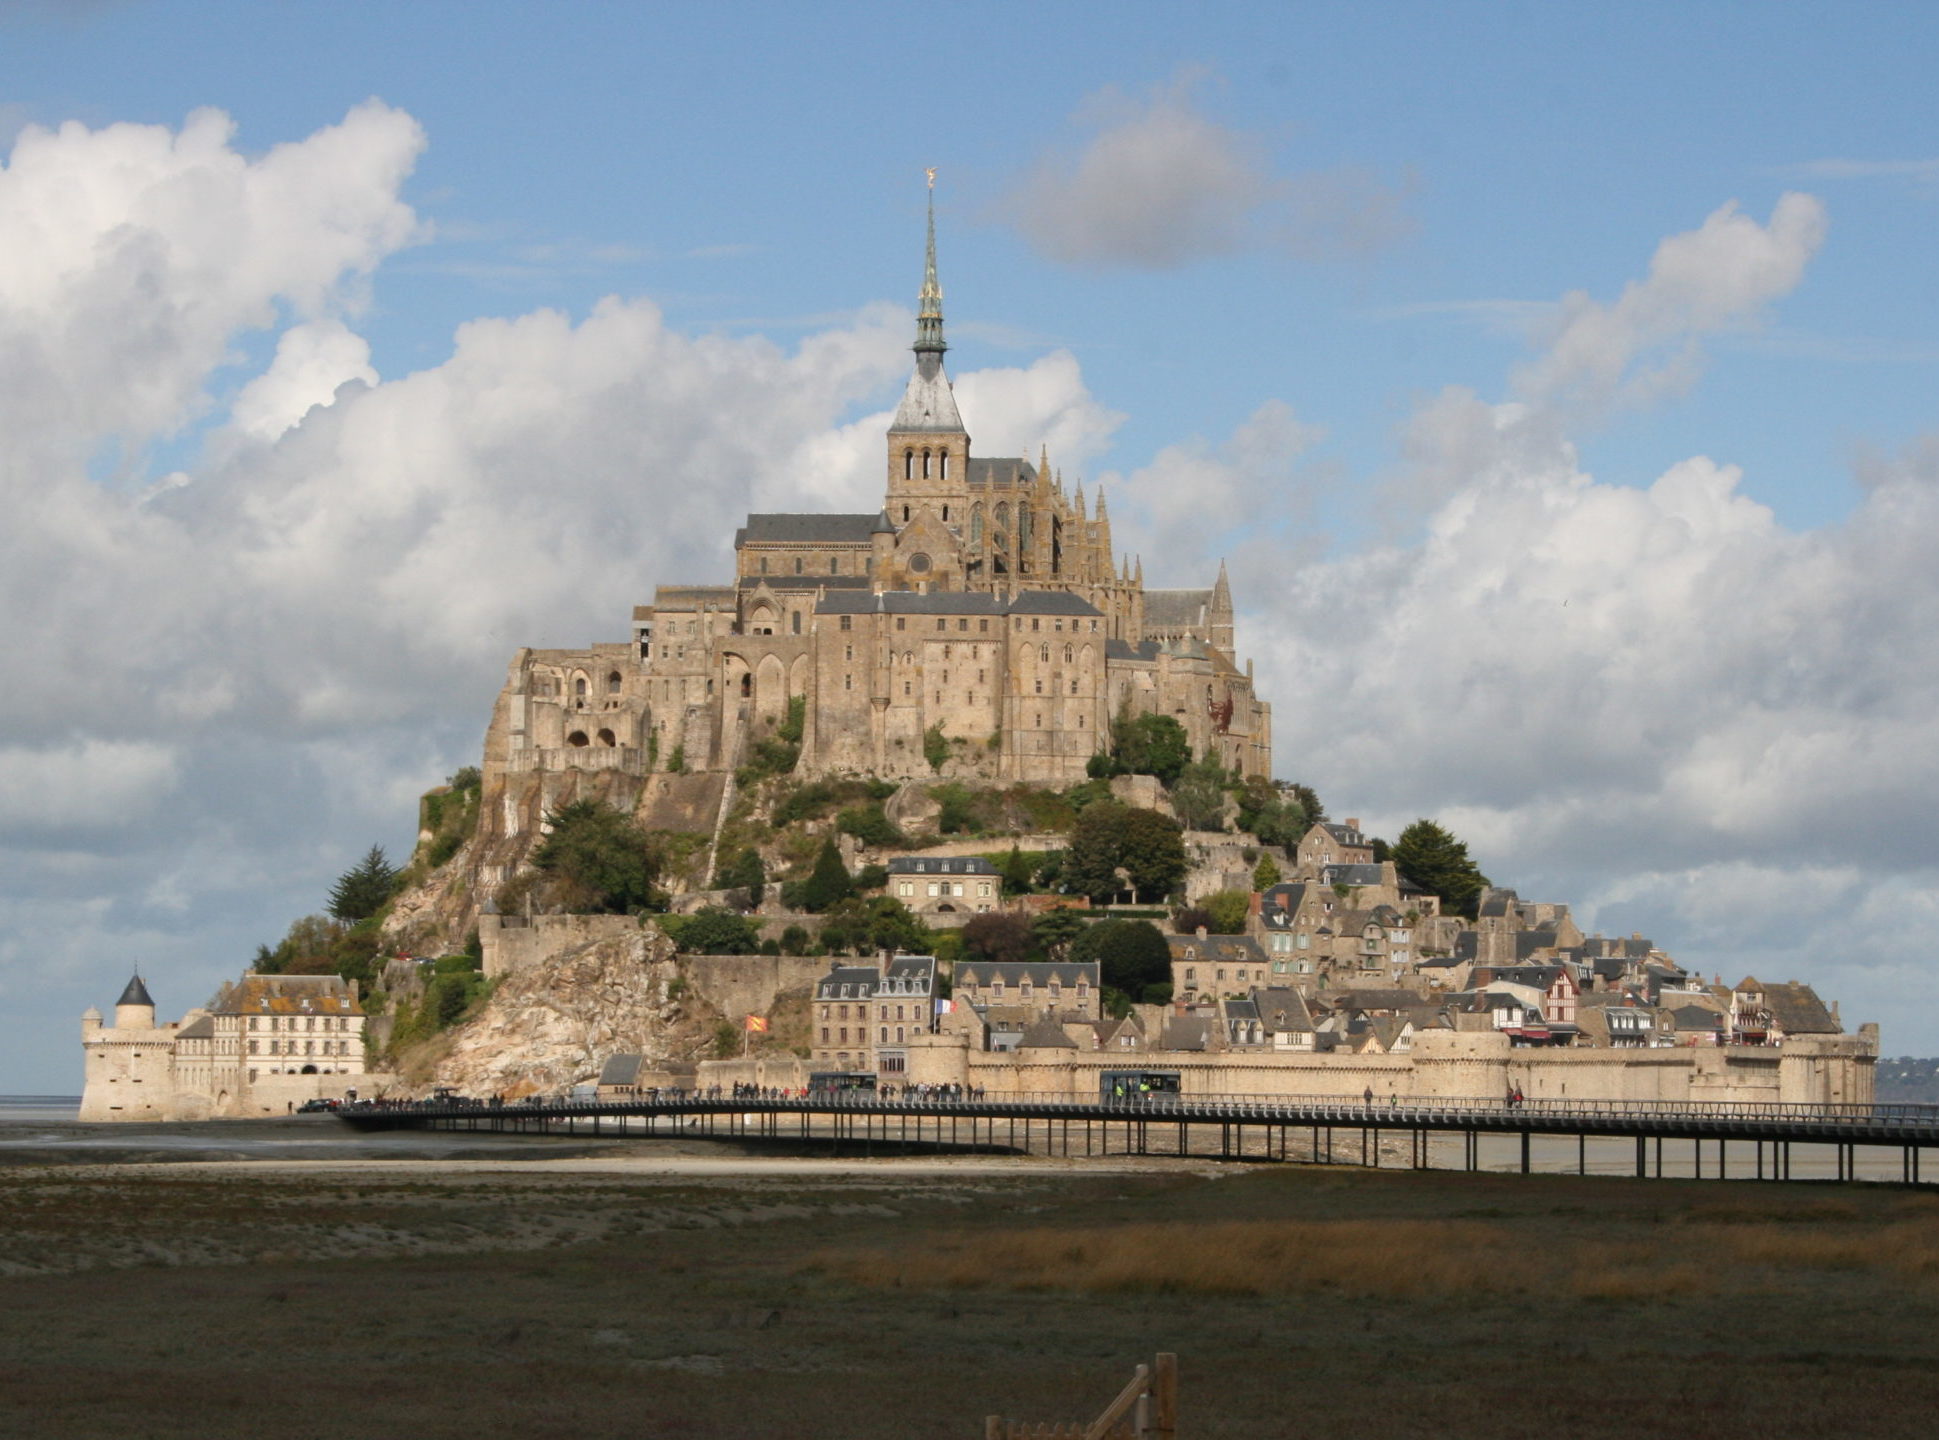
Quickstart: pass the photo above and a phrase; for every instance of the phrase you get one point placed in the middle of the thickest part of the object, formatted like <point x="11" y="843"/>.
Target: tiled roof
<point x="135" y="993"/>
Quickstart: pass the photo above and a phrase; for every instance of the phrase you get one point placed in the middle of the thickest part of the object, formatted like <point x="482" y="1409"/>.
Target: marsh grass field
<point x="689" y="1291"/>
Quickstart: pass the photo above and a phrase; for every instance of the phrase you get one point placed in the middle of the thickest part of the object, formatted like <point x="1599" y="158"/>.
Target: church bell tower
<point x="928" y="446"/>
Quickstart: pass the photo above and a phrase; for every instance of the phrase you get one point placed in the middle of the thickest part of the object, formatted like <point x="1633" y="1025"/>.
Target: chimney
<point x="1201" y="932"/>
<point x="1353" y="822"/>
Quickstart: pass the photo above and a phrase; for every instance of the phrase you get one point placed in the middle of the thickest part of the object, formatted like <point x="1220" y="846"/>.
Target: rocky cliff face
<point x="553" y="1025"/>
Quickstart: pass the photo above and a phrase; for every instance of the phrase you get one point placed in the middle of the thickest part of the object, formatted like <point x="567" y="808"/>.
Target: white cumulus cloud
<point x="1156" y="183"/>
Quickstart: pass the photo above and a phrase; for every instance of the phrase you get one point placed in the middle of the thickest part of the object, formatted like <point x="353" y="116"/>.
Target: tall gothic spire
<point x="929" y="313"/>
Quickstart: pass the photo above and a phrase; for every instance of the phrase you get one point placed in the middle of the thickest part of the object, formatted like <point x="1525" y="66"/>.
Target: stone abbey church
<point x="982" y="601"/>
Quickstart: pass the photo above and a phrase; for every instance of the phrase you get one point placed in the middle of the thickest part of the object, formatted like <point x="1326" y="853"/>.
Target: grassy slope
<point x="539" y="1307"/>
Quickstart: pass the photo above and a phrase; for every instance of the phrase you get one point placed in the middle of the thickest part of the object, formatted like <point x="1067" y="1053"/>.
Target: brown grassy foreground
<point x="167" y="1301"/>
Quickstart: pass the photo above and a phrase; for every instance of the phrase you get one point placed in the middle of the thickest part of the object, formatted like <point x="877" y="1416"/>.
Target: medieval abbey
<point x="982" y="607"/>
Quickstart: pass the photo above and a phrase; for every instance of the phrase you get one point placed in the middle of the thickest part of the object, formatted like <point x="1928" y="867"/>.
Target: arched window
<point x="747" y="686"/>
<point x="908" y="464"/>
<point x="608" y="739"/>
<point x="1043" y="653"/>
<point x="577" y="739"/>
<point x="925" y="464"/>
<point x="1069" y="655"/>
<point x="612" y="682"/>
<point x="976" y="526"/>
<point x="579" y="686"/>
<point x="945" y="470"/>
<point x="905" y="514"/>
<point x="795" y="620"/>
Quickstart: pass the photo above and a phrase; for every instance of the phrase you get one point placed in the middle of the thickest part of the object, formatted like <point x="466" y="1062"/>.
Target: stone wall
<point x="512" y="944"/>
<point x="1443" y="1065"/>
<point x="741" y="985"/>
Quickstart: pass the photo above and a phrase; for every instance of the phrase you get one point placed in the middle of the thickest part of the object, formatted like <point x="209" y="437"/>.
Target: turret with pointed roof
<point x="135" y="1010"/>
<point x="928" y="447"/>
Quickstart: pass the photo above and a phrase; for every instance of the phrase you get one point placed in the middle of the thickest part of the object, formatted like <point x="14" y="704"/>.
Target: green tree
<point x="795" y="940"/>
<point x="1271" y="810"/>
<point x="361" y="891"/>
<point x="1017" y="871"/>
<point x="1265" y="874"/>
<point x="829" y="884"/>
<point x="1055" y="930"/>
<point x="1433" y="859"/>
<point x="1153" y="853"/>
<point x="1229" y="910"/>
<point x="1150" y="745"/>
<point x="1199" y="795"/>
<point x="1096" y="851"/>
<point x="715" y="931"/>
<point x="601" y="861"/>
<point x="880" y="923"/>
<point x="452" y="994"/>
<point x="1132" y="955"/>
<point x="868" y="824"/>
<point x="1191" y="920"/>
<point x="935" y="747"/>
<point x="745" y="871"/>
<point x="1001" y="936"/>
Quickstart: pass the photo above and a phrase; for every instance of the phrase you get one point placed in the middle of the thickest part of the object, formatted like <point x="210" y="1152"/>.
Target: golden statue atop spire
<point x="930" y="171"/>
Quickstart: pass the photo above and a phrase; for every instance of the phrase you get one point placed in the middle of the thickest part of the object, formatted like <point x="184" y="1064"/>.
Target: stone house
<point x="1208" y="967"/>
<point x="943" y="886"/>
<point x="865" y="1017"/>
<point x="1064" y="990"/>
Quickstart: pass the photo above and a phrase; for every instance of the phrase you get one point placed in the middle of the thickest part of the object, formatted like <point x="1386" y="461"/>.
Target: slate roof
<point x="135" y="993"/>
<point x="1173" y="609"/>
<point x="1185" y="1032"/>
<point x="847" y="982"/>
<point x="971" y="973"/>
<point x="1046" y="1034"/>
<point x="909" y="602"/>
<point x="1355" y="874"/>
<point x="201" y="1028"/>
<point x="1798" y="1011"/>
<point x="806" y="582"/>
<point x="1498" y="902"/>
<point x="692" y="597"/>
<point x="1280" y="903"/>
<point x="1000" y="470"/>
<point x="1375" y="1000"/>
<point x="1219" y="949"/>
<point x="956" y="602"/>
<point x="1050" y="602"/>
<point x="928" y="404"/>
<point x="620" y="1070"/>
<point x="942" y="865"/>
<point x="789" y="529"/>
<point x="1146" y="650"/>
<point x="1282" y="1009"/>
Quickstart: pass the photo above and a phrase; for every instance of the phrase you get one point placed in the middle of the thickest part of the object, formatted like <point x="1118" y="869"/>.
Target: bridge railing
<point x="1398" y="1111"/>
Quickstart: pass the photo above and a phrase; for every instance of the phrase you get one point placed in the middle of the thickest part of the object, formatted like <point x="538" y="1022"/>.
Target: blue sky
<point x="1279" y="250"/>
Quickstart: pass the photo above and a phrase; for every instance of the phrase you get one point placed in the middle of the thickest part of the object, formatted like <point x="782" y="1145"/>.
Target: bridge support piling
<point x="1642" y="1157"/>
<point x="1525" y="1139"/>
<point x="1582" y="1154"/>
